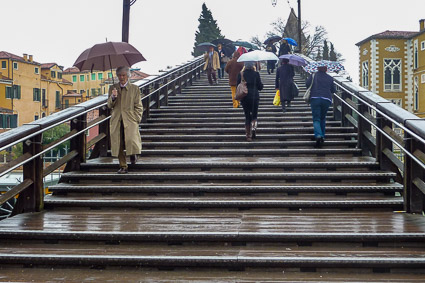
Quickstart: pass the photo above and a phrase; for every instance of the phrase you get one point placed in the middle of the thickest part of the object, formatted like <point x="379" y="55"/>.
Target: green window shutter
<point x="3" y="64"/>
<point x="58" y="101"/>
<point x="100" y="76"/>
<point x="14" y="121"/>
<point x="81" y="78"/>
<point x="34" y="94"/>
<point x="8" y="92"/>
<point x="1" y="121"/>
<point x="19" y="92"/>
<point x="93" y="76"/>
<point x="74" y="79"/>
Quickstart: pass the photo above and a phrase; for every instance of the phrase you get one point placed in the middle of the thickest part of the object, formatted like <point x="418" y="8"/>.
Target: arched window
<point x="392" y="74"/>
<point x="416" y="90"/>
<point x="365" y="74"/>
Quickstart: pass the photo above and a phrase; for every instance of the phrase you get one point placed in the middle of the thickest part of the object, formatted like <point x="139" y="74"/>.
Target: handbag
<point x="276" y="100"/>
<point x="308" y="92"/>
<point x="242" y="89"/>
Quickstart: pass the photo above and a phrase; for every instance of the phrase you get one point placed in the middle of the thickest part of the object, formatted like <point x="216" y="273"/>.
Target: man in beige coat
<point x="127" y="109"/>
<point x="212" y="63"/>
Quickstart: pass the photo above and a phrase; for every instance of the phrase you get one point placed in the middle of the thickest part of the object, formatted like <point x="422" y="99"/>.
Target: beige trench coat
<point x="127" y="108"/>
<point x="215" y="62"/>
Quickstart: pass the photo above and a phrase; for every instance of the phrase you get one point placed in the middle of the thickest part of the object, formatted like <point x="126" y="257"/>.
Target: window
<point x="35" y="117"/>
<point x="15" y="65"/>
<point x="3" y="64"/>
<point x="81" y="91"/>
<point x="74" y="78"/>
<point x="53" y="74"/>
<point x="423" y="78"/>
<point x="365" y="74"/>
<point x="100" y="76"/>
<point x="13" y="92"/>
<point x="59" y="75"/>
<point x="66" y="103"/>
<point x="392" y="74"/>
<point x="36" y="70"/>
<point x="93" y="76"/>
<point x="43" y="98"/>
<point x="415" y="55"/>
<point x="422" y="45"/>
<point x="8" y="121"/>
<point x="81" y="78"/>
<point x="416" y="90"/>
<point x="58" y="99"/>
<point x="43" y="115"/>
<point x="110" y="75"/>
<point x="36" y="94"/>
<point x="93" y="92"/>
<point x="88" y="78"/>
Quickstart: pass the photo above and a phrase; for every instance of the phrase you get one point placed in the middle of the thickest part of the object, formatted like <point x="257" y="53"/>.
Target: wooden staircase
<point x="204" y="205"/>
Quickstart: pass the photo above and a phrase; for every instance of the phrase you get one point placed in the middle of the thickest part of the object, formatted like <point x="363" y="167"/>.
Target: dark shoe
<point x="122" y="170"/>
<point x="133" y="159"/>
<point x="288" y="104"/>
<point x="319" y="142"/>
<point x="248" y="133"/>
<point x="254" y="129"/>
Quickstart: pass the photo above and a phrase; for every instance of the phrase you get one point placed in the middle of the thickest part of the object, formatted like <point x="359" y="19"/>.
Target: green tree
<point x="325" y="54"/>
<point x="208" y="29"/>
<point x="332" y="54"/>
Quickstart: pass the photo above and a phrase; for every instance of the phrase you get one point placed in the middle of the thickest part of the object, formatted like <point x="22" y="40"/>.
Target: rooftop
<point x="389" y="34"/>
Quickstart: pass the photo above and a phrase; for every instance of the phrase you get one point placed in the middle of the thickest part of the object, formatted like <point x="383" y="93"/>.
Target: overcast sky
<point x="164" y="30"/>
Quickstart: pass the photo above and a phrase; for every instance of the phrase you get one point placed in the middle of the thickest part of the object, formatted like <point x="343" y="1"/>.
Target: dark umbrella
<point x="222" y="41"/>
<point x="246" y="45"/>
<point x="108" y="56"/>
<point x="205" y="46"/>
<point x="272" y="39"/>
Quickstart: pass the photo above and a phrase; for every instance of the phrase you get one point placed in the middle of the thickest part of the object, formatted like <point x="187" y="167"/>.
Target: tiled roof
<point x="8" y="55"/>
<point x="5" y="78"/>
<point x="48" y="65"/>
<point x="74" y="70"/>
<point x="389" y="34"/>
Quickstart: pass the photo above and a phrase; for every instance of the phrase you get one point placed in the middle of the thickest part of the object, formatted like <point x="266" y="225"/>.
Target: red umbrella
<point x="108" y="56"/>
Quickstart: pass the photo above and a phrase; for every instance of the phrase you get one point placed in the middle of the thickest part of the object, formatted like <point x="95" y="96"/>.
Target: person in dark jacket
<point x="285" y="82"/>
<point x="233" y="68"/>
<point x="221" y="56"/>
<point x="271" y="64"/>
<point x="284" y="48"/>
<point x="320" y="100"/>
<point x="252" y="99"/>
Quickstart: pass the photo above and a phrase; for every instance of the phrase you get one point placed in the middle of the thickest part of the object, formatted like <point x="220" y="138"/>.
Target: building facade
<point x="392" y="64"/>
<point x="31" y="90"/>
<point x="89" y="84"/>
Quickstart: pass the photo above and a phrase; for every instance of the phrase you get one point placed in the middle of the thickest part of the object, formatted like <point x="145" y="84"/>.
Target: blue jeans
<point x="319" y="108"/>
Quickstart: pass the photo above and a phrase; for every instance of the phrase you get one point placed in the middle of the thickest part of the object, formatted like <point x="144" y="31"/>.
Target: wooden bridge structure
<point x="204" y="205"/>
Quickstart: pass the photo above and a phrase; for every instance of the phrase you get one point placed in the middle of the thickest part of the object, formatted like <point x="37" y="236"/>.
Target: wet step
<point x="180" y="124"/>
<point x="241" y="137"/>
<point x="207" y="226"/>
<point x="226" y="202"/>
<point x="276" y="275"/>
<point x="231" y="188"/>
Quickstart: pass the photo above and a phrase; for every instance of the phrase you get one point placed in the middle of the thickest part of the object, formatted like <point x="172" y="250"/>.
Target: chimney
<point x="421" y="25"/>
<point x="25" y="57"/>
<point x="30" y="58"/>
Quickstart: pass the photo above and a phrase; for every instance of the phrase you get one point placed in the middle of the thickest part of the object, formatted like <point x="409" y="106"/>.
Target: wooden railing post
<point x="78" y="143"/>
<point x="32" y="199"/>
<point x="414" y="175"/>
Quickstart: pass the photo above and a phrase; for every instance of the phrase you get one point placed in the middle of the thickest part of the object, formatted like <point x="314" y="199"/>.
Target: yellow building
<point x="391" y="65"/>
<point x="86" y="83"/>
<point x="33" y="86"/>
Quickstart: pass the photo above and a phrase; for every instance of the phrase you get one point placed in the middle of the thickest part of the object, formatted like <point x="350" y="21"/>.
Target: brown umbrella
<point x="108" y="56"/>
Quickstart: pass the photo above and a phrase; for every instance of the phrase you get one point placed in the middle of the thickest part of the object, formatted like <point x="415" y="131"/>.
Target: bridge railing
<point x="30" y="192"/>
<point x="394" y="136"/>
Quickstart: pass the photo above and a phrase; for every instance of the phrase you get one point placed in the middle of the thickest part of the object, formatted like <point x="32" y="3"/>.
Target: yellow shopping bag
<point x="276" y="100"/>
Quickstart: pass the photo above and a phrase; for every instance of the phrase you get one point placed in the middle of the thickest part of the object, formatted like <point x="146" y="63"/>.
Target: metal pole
<point x="299" y="27"/>
<point x="125" y="20"/>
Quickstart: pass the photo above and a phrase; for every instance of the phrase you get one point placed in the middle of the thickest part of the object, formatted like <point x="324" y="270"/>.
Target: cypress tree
<point x="332" y="54"/>
<point x="208" y="29"/>
<point x="325" y="54"/>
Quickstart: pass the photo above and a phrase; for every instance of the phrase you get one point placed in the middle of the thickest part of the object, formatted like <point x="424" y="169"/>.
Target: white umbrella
<point x="258" y="55"/>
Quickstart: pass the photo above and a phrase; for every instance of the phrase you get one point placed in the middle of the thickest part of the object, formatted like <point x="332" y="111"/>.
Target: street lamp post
<point x="126" y="18"/>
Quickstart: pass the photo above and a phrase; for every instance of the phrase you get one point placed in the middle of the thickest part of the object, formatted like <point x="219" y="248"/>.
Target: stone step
<point x="231" y="188"/>
<point x="225" y="202"/>
<point x="273" y="125"/>
<point x="221" y="177"/>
